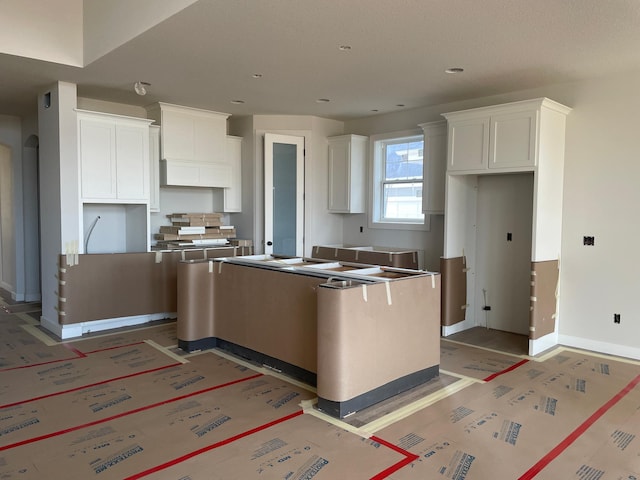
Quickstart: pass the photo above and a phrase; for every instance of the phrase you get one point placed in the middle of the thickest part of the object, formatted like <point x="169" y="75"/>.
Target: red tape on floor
<point x="78" y="353"/>
<point x="84" y="355"/>
<point x="74" y="350"/>
<point x="124" y="414"/>
<point x="213" y="446"/>
<point x="90" y="385"/>
<point x="410" y="457"/>
<point x="573" y="436"/>
<point x="506" y="370"/>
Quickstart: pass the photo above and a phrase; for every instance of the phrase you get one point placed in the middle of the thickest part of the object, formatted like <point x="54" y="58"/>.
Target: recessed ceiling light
<point x="344" y="48"/>
<point x="454" y="70"/>
<point x="257" y="75"/>
<point x="323" y="100"/>
<point x="237" y="102"/>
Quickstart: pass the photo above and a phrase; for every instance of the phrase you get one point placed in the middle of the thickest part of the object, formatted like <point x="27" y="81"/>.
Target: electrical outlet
<point x="361" y="229"/>
<point x="509" y="236"/>
<point x="616" y="318"/>
<point x="589" y="241"/>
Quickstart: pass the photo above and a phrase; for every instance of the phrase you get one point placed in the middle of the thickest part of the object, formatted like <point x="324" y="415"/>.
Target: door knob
<point x="269" y="243"/>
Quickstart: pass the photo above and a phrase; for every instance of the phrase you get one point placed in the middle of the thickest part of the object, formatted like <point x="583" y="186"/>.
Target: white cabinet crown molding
<point x="170" y="107"/>
<point x="112" y="116"/>
<point x="535" y="103"/>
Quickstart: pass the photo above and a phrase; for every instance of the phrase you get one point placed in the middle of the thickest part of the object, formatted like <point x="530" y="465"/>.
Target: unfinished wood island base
<point x="361" y="333"/>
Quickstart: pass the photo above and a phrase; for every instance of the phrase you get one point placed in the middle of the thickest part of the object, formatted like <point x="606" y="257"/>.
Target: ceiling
<point x="206" y="55"/>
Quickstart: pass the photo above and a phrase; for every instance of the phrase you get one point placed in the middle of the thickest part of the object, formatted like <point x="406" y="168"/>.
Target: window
<point x="397" y="180"/>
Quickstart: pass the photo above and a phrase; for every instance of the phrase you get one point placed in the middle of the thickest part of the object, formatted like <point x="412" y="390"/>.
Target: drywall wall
<point x="31" y="212"/>
<point x="108" y="25"/>
<point x="59" y="207"/>
<point x="94" y="105"/>
<point x="320" y="225"/>
<point x="245" y="222"/>
<point x="12" y="213"/>
<point x="602" y="167"/>
<point x="184" y="199"/>
<point x="27" y="30"/>
<point x="7" y="244"/>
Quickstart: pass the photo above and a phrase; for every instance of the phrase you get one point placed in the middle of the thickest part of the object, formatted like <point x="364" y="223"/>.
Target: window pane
<point x="403" y="160"/>
<point x="403" y="201"/>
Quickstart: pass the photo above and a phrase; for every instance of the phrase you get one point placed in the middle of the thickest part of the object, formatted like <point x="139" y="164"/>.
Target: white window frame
<point x="376" y="182"/>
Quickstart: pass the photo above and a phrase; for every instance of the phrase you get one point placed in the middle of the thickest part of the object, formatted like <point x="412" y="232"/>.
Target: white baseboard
<point x="541" y="344"/>
<point x="600" y="347"/>
<point x="78" y="329"/>
<point x="457" y="327"/>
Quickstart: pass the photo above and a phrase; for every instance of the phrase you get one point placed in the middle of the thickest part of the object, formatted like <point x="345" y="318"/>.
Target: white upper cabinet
<point x="192" y="146"/>
<point x="434" y="167"/>
<point x="233" y="194"/>
<point x="114" y="158"/>
<point x="468" y="143"/>
<point x="499" y="138"/>
<point x="347" y="173"/>
<point x="513" y="139"/>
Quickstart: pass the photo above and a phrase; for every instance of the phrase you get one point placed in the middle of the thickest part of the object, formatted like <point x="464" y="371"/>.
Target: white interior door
<point x="283" y="194"/>
<point x="503" y="255"/>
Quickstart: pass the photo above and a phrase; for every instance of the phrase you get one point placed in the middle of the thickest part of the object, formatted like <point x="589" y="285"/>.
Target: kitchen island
<point x="361" y="333"/>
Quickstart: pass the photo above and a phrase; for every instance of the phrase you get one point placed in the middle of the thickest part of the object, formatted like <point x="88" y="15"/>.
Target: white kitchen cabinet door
<point x="154" y="168"/>
<point x="233" y="194"/>
<point x="114" y="158"/>
<point x="434" y="167"/>
<point x="181" y="173"/>
<point x="178" y="135"/>
<point x="132" y="162"/>
<point x="468" y="144"/>
<point x="512" y="141"/>
<point x="210" y="138"/>
<point x="347" y="174"/>
<point x="97" y="141"/>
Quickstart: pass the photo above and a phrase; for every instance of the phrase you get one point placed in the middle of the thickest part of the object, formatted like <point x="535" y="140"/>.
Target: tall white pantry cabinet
<point x="524" y="139"/>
